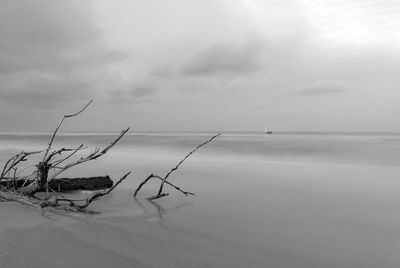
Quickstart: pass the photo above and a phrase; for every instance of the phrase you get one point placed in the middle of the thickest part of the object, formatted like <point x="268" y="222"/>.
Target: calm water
<point x="281" y="200"/>
<point x="352" y="148"/>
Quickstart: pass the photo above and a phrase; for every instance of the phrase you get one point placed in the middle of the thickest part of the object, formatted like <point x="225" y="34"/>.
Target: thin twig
<point x="88" y="200"/>
<point x="74" y="151"/>
<point x="98" y="195"/>
<point x="14" y="161"/>
<point x="167" y="182"/>
<point x="177" y="166"/>
<point x="142" y="184"/>
<point x="59" y="125"/>
<point x="62" y="150"/>
<point x="176" y="187"/>
<point x="164" y="179"/>
<point x="92" y="156"/>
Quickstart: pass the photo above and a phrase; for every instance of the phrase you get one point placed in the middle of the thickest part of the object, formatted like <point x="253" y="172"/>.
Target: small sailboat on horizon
<point x="268" y="131"/>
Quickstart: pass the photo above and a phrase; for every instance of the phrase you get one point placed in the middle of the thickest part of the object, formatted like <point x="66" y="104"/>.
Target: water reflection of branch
<point x="48" y="215"/>
<point x="142" y="207"/>
<point x="53" y="214"/>
<point x="161" y="211"/>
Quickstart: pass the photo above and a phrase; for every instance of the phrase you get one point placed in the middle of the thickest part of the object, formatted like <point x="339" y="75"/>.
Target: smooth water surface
<point x="281" y="200"/>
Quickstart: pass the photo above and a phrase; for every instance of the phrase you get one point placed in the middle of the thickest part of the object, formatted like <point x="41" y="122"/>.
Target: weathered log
<point x="89" y="184"/>
<point x="68" y="184"/>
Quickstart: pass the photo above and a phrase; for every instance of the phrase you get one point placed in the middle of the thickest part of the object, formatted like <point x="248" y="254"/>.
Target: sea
<point x="288" y="199"/>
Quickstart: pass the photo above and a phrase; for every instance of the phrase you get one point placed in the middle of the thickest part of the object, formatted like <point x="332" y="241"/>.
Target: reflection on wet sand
<point x="160" y="211"/>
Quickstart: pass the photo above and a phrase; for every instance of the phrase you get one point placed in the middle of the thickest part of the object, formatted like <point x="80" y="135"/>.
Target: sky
<point x="209" y="65"/>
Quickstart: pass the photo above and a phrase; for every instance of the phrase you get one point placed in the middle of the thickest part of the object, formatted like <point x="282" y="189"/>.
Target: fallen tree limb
<point x="167" y="182"/>
<point x="164" y="179"/>
<point x="58" y="203"/>
<point x="67" y="184"/>
<point x="16" y="197"/>
<point x="56" y="161"/>
<point x="58" y="127"/>
<point x="23" y="189"/>
<point x="88" y="184"/>
<point x="12" y="163"/>
<point x="72" y="204"/>
<point x="92" y="156"/>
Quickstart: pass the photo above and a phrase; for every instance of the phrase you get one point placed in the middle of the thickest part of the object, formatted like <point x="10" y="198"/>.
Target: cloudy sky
<point x="230" y="65"/>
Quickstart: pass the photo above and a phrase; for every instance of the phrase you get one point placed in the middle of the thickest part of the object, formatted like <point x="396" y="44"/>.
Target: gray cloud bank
<point x="179" y="68"/>
<point x="49" y="52"/>
<point x="321" y="88"/>
<point x="225" y="60"/>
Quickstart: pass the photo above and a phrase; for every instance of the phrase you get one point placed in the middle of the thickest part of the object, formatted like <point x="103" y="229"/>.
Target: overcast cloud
<point x="225" y="59"/>
<point x="201" y="65"/>
<point x="321" y="88"/>
<point x="50" y="52"/>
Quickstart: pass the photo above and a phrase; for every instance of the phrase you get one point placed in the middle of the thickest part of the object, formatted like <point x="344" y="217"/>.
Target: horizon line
<point x="203" y="131"/>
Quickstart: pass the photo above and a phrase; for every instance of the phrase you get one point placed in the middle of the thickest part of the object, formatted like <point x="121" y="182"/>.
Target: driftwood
<point x="88" y="184"/>
<point x="164" y="179"/>
<point x="82" y="204"/>
<point x="12" y="163"/>
<point x="56" y="202"/>
<point x="23" y="189"/>
<point x="66" y="184"/>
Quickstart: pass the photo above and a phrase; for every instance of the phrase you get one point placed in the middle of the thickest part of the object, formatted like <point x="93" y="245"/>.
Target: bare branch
<point x="75" y="114"/>
<point x="14" y="188"/>
<point x="14" y="161"/>
<point x="167" y="182"/>
<point x="142" y="184"/>
<point x="88" y="201"/>
<point x="58" y="162"/>
<point x="58" y="127"/>
<point x="177" y="166"/>
<point x="98" y="195"/>
<point x="62" y="150"/>
<point x="92" y="156"/>
<point x="164" y="180"/>
<point x="176" y="187"/>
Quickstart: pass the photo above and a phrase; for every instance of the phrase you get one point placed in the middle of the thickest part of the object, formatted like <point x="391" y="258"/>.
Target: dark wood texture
<point x="69" y="184"/>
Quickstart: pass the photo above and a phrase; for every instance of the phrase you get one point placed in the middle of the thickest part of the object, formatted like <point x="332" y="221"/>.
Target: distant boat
<point x="268" y="131"/>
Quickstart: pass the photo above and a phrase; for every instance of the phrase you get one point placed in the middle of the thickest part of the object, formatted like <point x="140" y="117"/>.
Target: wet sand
<point x="51" y="240"/>
<point x="283" y="215"/>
